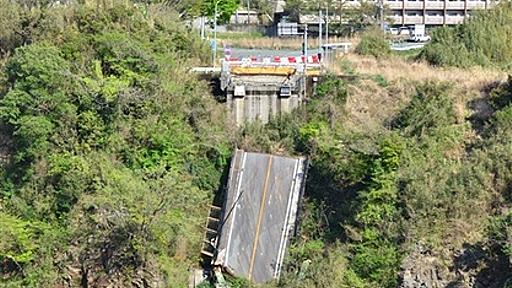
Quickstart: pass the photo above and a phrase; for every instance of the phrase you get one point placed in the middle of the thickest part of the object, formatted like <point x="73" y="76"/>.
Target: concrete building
<point x="430" y="12"/>
<point x="244" y="16"/>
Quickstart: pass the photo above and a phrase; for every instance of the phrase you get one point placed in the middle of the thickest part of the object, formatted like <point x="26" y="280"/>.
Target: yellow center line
<point x="260" y="217"/>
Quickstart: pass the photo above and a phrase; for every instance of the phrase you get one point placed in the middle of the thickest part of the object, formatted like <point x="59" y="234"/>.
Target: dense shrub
<point x="373" y="43"/>
<point x="116" y="149"/>
<point x="430" y="108"/>
<point x="376" y="256"/>
<point x="370" y="194"/>
<point x="484" y="39"/>
<point x="115" y="152"/>
<point x="501" y="96"/>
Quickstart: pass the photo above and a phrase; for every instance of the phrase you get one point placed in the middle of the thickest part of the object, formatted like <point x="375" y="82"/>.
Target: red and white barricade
<point x="275" y="60"/>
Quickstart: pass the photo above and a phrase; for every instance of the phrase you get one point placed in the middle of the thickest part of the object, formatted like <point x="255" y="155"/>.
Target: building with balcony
<point x="432" y="12"/>
<point x="429" y="12"/>
<point x="398" y="13"/>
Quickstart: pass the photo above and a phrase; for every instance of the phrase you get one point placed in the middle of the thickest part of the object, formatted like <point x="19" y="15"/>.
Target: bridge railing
<point x="313" y="60"/>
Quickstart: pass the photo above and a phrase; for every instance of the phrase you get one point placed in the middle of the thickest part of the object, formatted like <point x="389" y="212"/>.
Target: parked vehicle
<point x="404" y="31"/>
<point x="420" y="38"/>
<point x="399" y="31"/>
<point x="418" y="34"/>
<point x="393" y="31"/>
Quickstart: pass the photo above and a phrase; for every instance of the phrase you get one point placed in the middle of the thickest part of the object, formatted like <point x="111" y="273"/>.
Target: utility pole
<point x="320" y="31"/>
<point x="248" y="13"/>
<point x="381" y="14"/>
<point x="202" y="26"/>
<point x="305" y="78"/>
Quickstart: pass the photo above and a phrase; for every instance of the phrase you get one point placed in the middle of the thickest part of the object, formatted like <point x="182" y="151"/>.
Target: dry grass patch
<point x="369" y="104"/>
<point x="279" y="43"/>
<point x="396" y="68"/>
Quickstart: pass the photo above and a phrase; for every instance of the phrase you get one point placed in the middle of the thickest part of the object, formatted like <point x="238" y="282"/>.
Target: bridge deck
<point x="259" y="213"/>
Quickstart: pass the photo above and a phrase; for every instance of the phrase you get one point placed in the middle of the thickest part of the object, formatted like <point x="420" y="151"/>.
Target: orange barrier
<point x="263" y="70"/>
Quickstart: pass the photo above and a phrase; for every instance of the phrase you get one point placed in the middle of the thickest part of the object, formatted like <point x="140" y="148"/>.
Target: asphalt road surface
<point x="244" y="53"/>
<point x="403" y="46"/>
<point x="259" y="209"/>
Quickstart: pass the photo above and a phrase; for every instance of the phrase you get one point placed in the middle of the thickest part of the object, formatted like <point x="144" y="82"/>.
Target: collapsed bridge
<point x="248" y="236"/>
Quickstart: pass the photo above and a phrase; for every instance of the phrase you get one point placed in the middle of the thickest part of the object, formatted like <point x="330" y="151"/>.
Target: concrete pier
<point x="261" y="92"/>
<point x="252" y="100"/>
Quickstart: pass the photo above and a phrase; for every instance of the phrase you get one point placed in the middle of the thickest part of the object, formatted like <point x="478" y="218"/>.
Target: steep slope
<point x="114" y="150"/>
<point x="409" y="179"/>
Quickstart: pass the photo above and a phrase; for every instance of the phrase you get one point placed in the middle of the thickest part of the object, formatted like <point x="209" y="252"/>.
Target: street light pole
<point x="326" y="54"/>
<point x="327" y="23"/>
<point x="215" y="34"/>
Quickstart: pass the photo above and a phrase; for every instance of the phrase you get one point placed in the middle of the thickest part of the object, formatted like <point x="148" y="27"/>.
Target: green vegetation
<point x="373" y="43"/>
<point x="116" y="151"/>
<point x="484" y="39"/>
<point x="409" y="55"/>
<point x="111" y="152"/>
<point x="373" y="194"/>
<point x="225" y="8"/>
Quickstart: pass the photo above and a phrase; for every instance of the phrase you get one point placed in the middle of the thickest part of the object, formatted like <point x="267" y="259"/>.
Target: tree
<point x="295" y="8"/>
<point x="115" y="147"/>
<point x="353" y="19"/>
<point x="484" y="40"/>
<point x="185" y="8"/>
<point x="349" y="18"/>
<point x="225" y="8"/>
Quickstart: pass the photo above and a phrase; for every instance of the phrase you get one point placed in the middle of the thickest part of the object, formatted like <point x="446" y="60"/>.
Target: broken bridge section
<point x="259" y="214"/>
